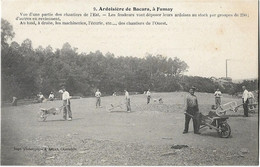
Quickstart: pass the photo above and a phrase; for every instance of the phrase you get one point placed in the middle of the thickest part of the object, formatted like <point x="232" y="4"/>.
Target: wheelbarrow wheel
<point x="41" y="116"/>
<point x="225" y="130"/>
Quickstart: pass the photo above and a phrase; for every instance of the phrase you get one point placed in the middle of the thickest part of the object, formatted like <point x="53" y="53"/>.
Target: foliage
<point x="6" y="32"/>
<point x="251" y="85"/>
<point x="27" y="71"/>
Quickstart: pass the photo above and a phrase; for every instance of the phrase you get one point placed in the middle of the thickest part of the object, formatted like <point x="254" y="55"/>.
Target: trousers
<point x="98" y="102"/>
<point x="128" y="107"/>
<point x="217" y="101"/>
<point x="148" y="99"/>
<point x="195" y="113"/>
<point x="66" y="109"/>
<point x="245" y="106"/>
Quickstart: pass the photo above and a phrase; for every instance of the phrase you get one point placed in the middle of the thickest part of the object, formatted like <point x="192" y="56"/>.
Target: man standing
<point x="40" y="97"/>
<point x="51" y="96"/>
<point x="148" y="94"/>
<point x="217" y="95"/>
<point x="14" y="102"/>
<point x="114" y="94"/>
<point x="98" y="96"/>
<point x="66" y="104"/>
<point x="127" y="99"/>
<point x="191" y="108"/>
<point x="245" y="101"/>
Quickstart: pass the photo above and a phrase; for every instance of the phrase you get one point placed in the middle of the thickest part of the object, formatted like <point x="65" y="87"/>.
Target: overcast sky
<point x="203" y="43"/>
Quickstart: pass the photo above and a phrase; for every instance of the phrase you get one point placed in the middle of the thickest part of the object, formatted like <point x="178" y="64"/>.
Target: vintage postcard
<point x="129" y="83"/>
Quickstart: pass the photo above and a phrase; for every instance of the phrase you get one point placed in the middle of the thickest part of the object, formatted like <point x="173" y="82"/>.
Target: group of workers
<point x="65" y="96"/>
<point x="127" y="99"/>
<point x="191" y="106"/>
<point x="247" y="99"/>
<point x="41" y="98"/>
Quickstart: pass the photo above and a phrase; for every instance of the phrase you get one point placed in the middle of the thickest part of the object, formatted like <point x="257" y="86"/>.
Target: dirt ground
<point x="143" y="137"/>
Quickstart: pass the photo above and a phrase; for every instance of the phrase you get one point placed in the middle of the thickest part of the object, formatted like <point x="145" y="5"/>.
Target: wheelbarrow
<point x="213" y="121"/>
<point x="233" y="106"/>
<point x="44" y="113"/>
<point x="222" y="109"/>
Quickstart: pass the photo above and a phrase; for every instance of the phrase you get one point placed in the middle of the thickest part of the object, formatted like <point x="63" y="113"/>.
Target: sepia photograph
<point x="129" y="83"/>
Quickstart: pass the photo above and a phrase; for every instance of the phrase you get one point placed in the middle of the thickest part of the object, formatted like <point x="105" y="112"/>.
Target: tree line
<point x="27" y="71"/>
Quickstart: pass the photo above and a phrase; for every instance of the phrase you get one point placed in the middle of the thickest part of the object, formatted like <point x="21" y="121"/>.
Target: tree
<point x="40" y="49"/>
<point x="15" y="46"/>
<point x="26" y="71"/>
<point x="49" y="50"/>
<point x="26" y="47"/>
<point x="67" y="50"/>
<point x="178" y="66"/>
<point x="6" y="32"/>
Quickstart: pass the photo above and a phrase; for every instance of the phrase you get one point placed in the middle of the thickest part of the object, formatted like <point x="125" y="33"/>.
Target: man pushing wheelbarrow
<point x="212" y="120"/>
<point x="192" y="110"/>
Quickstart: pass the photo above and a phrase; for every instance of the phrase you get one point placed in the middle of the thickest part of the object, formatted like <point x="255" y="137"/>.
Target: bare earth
<point x="142" y="137"/>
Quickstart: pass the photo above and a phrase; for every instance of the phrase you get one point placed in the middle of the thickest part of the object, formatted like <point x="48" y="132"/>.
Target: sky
<point x="203" y="43"/>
